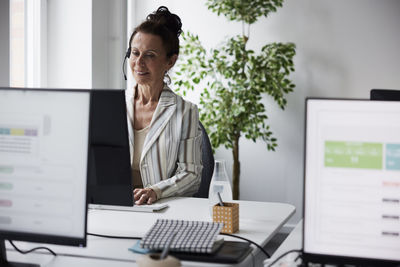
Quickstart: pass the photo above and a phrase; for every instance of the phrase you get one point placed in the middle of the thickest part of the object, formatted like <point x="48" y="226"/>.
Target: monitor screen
<point x="385" y="94"/>
<point x="43" y="165"/>
<point x="352" y="180"/>
<point x="110" y="180"/>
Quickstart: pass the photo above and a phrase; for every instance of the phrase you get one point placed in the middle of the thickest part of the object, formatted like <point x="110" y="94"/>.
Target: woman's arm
<point x="186" y="180"/>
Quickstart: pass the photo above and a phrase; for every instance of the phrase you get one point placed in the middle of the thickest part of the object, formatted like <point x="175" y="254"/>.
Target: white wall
<point x="5" y="43"/>
<point x="86" y="43"/>
<point x="109" y="43"/>
<point x="69" y="43"/>
<point x="344" y="48"/>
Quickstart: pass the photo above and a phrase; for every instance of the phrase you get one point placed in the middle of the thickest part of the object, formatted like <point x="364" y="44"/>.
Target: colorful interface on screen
<point x="352" y="203"/>
<point x="43" y="161"/>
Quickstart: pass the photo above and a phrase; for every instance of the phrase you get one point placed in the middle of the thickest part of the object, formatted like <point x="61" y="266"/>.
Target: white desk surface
<point x="258" y="221"/>
<point x="47" y="260"/>
<point x="293" y="241"/>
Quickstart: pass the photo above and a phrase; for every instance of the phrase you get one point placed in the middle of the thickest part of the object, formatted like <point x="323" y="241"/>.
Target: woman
<point x="163" y="128"/>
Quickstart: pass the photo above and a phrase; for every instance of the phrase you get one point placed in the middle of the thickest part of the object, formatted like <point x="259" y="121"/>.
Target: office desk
<point x="293" y="241"/>
<point x="258" y="221"/>
<point x="47" y="260"/>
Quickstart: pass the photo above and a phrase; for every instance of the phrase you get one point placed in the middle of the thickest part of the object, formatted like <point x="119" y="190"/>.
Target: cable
<point x="283" y="255"/>
<point x="31" y="250"/>
<point x="252" y="242"/>
<point x="116" y="237"/>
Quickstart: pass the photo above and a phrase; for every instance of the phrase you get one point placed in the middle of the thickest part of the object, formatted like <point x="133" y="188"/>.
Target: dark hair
<point x="164" y="24"/>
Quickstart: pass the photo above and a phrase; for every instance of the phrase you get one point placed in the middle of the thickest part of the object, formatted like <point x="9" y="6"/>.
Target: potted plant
<point x="237" y="78"/>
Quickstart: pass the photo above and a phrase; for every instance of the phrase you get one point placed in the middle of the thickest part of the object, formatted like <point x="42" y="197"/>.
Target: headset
<point x="128" y="54"/>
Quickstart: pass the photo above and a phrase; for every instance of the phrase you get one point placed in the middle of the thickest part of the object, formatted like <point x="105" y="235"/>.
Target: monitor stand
<point x="5" y="263"/>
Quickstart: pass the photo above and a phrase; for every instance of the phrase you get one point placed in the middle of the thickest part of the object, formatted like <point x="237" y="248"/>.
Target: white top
<point x="139" y="137"/>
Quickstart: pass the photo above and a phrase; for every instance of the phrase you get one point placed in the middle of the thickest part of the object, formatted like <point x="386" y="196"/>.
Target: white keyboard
<point x="137" y="208"/>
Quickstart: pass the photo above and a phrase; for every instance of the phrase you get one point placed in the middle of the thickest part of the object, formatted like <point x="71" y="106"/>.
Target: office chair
<point x="208" y="165"/>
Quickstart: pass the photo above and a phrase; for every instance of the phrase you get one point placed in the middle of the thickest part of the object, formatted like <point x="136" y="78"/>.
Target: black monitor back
<point x="110" y="180"/>
<point x="385" y="94"/>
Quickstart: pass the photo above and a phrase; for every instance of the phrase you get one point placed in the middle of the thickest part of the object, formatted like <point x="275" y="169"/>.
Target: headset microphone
<point x="127" y="55"/>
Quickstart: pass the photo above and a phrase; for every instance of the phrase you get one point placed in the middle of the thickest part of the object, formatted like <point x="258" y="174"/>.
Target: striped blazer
<point x="170" y="163"/>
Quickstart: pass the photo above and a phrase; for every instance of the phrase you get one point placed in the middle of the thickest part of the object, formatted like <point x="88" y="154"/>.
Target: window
<point x="17" y="43"/>
<point x="28" y="43"/>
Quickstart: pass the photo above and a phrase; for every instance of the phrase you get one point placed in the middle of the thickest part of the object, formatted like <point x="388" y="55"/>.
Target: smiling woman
<point x="164" y="129"/>
<point x="148" y="60"/>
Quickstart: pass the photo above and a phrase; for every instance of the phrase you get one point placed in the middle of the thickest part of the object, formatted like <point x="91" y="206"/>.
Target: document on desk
<point x="353" y="179"/>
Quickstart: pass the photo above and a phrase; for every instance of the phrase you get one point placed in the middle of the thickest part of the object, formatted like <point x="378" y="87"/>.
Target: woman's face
<point x="148" y="59"/>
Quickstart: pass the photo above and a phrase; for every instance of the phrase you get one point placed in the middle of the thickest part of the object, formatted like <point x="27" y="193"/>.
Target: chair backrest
<point x="208" y="165"/>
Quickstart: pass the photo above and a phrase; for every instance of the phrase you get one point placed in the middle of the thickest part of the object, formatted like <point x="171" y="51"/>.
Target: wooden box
<point x="229" y="215"/>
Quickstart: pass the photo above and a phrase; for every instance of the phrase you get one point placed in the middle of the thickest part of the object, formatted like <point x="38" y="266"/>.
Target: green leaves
<point x="191" y="59"/>
<point x="272" y="67"/>
<point x="236" y="78"/>
<point x="247" y="11"/>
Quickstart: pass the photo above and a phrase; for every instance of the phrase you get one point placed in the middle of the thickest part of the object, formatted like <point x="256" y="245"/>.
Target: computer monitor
<point x="110" y="181"/>
<point x="385" y="94"/>
<point x="352" y="182"/>
<point x="44" y="141"/>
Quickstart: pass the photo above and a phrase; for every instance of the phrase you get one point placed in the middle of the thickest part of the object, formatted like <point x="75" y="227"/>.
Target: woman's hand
<point x="144" y="196"/>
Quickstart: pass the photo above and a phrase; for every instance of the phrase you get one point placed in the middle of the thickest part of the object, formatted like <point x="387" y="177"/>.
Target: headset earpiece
<point x="128" y="53"/>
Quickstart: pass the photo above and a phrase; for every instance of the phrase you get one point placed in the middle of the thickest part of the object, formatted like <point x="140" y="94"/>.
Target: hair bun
<point x="171" y="21"/>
